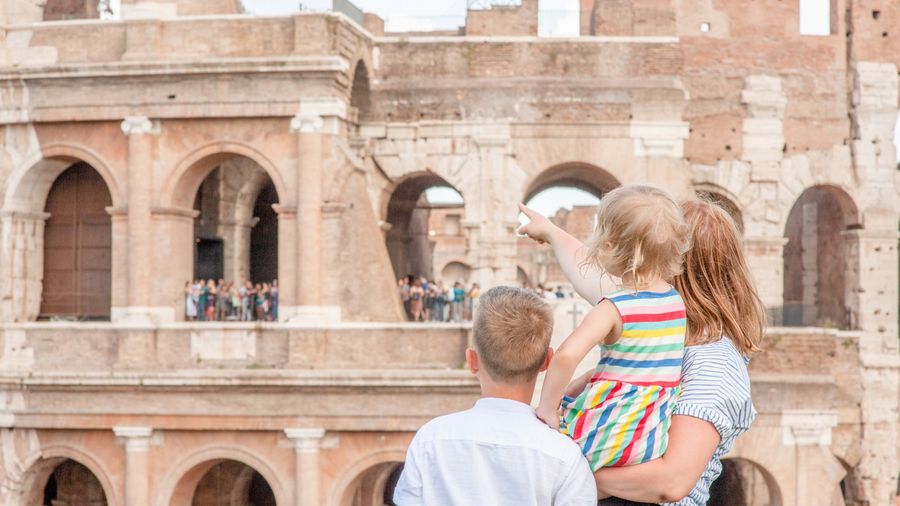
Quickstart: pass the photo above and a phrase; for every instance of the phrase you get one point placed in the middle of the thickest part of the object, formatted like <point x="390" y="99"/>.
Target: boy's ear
<point x="472" y="360"/>
<point x="547" y="360"/>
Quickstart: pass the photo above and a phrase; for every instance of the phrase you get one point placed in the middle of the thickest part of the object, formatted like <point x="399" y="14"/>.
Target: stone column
<point x="763" y="144"/>
<point x="137" y="477"/>
<point x="318" y="119"/>
<point x="873" y="252"/>
<point x="140" y="227"/>
<point x="307" y="443"/>
<point x="491" y="210"/>
<point x="817" y="471"/>
<point x="287" y="260"/>
<point x="21" y="264"/>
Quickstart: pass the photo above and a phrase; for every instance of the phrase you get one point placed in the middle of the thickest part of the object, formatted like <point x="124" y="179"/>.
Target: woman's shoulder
<point x="715" y="370"/>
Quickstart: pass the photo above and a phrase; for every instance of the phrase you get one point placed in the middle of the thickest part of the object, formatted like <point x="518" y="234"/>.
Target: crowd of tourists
<point x="427" y="300"/>
<point x="208" y="300"/>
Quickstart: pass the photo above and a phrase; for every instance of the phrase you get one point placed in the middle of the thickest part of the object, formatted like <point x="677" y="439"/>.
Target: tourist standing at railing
<point x="211" y="296"/>
<point x="474" y="296"/>
<point x="416" y="300"/>
<point x="441" y="301"/>
<point x="403" y="287"/>
<point x="458" y="297"/>
<point x="221" y="300"/>
<point x="428" y="311"/>
<point x="273" y="298"/>
<point x="190" y="306"/>
<point x="246" y="293"/>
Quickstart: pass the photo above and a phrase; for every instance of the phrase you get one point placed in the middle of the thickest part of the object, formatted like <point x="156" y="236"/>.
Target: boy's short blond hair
<point x="512" y="330"/>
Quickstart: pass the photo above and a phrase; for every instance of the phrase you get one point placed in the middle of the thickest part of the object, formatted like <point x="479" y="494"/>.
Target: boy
<point x="498" y="452"/>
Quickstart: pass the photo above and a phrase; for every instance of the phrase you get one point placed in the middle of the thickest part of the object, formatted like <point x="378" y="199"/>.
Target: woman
<point x="190" y="306"/>
<point x="416" y="300"/>
<point x="726" y="322"/>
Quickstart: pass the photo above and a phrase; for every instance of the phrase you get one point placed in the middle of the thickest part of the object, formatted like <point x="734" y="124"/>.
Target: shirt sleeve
<point x="409" y="490"/>
<point x="578" y="487"/>
<point x="718" y="393"/>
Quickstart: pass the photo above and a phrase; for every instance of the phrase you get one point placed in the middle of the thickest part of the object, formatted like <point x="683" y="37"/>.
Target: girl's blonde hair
<point x="716" y="286"/>
<point x="640" y="235"/>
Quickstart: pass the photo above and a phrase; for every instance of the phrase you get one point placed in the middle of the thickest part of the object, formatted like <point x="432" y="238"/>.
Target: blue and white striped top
<point x="715" y="387"/>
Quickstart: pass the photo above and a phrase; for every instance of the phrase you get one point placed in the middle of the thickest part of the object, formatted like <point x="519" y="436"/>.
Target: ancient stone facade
<point x="793" y="132"/>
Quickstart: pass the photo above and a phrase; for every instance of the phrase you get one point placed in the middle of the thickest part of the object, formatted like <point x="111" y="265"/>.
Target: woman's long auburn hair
<point x="716" y="285"/>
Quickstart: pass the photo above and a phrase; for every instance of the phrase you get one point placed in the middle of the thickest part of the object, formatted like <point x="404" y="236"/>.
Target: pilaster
<point x="307" y="443"/>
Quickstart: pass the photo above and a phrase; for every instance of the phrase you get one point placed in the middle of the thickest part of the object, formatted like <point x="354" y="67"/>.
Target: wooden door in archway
<point x="77" y="247"/>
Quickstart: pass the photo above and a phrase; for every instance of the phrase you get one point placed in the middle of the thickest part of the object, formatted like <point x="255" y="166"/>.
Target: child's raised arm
<point x="569" y="251"/>
<point x="602" y="323"/>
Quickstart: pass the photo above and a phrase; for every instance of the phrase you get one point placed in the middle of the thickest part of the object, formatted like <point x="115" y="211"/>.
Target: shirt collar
<point x="501" y="404"/>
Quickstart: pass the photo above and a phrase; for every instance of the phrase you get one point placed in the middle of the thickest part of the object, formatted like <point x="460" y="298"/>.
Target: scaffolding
<point x="483" y="5"/>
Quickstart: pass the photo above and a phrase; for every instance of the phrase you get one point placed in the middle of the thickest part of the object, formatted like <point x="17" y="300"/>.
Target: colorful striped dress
<point x="622" y="417"/>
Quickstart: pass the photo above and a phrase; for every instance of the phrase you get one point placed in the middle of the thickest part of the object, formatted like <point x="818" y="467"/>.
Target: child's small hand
<point x="577" y="385"/>
<point x="538" y="227"/>
<point x="551" y="418"/>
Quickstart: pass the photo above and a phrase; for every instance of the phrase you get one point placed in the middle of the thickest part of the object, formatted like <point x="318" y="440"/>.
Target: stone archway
<point x="58" y="480"/>
<point x="372" y="481"/>
<point x="232" y="483"/>
<point x="23" y="223"/>
<point x="215" y="200"/>
<point x="744" y="483"/>
<point x="229" y="475"/>
<point x="420" y="231"/>
<point x="575" y="190"/>
<point x="817" y="259"/>
<point x="77" y="247"/>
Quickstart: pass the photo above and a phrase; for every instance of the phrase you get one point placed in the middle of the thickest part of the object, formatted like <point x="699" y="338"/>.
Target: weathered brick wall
<point x="504" y="20"/>
<point x="627" y="17"/>
<point x="558" y="80"/>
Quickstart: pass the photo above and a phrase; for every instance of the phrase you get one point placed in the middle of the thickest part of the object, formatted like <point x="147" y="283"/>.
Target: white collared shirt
<point x="497" y="453"/>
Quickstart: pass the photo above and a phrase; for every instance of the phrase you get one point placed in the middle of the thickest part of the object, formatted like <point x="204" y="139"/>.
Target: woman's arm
<point x="569" y="251"/>
<point x="692" y="442"/>
<point x="599" y="323"/>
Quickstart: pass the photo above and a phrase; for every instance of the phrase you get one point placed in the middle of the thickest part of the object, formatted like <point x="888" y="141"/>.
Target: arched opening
<point x="71" y="483"/>
<point x="77" y="251"/>
<point x="425" y="220"/>
<point x="725" y="203"/>
<point x="374" y="486"/>
<point x="522" y="279"/>
<point x="816" y="259"/>
<point x="232" y="483"/>
<point x="568" y="195"/>
<point x="360" y="99"/>
<point x="456" y="272"/>
<point x="744" y="483"/>
<point x="235" y="237"/>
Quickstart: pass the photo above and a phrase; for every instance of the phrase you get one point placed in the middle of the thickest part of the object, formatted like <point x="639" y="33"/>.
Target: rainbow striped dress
<point x="623" y="415"/>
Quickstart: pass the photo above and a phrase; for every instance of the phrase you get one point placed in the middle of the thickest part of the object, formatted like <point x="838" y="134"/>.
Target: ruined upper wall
<point x="627" y="17"/>
<point x="726" y="42"/>
<point x="504" y="20"/>
<point x="527" y="80"/>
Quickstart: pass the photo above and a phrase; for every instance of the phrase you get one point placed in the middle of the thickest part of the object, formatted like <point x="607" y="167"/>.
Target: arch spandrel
<point x="29" y="183"/>
<point x="181" y="184"/>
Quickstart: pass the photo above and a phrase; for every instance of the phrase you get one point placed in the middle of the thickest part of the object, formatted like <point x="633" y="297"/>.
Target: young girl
<point x="623" y="414"/>
<point x="726" y="322"/>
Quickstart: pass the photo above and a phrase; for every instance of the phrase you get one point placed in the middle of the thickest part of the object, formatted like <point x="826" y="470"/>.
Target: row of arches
<point x="228" y="482"/>
<point x="65" y="481"/>
<point x="233" y="199"/>
<point x="424" y="235"/>
<point x="235" y="233"/>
